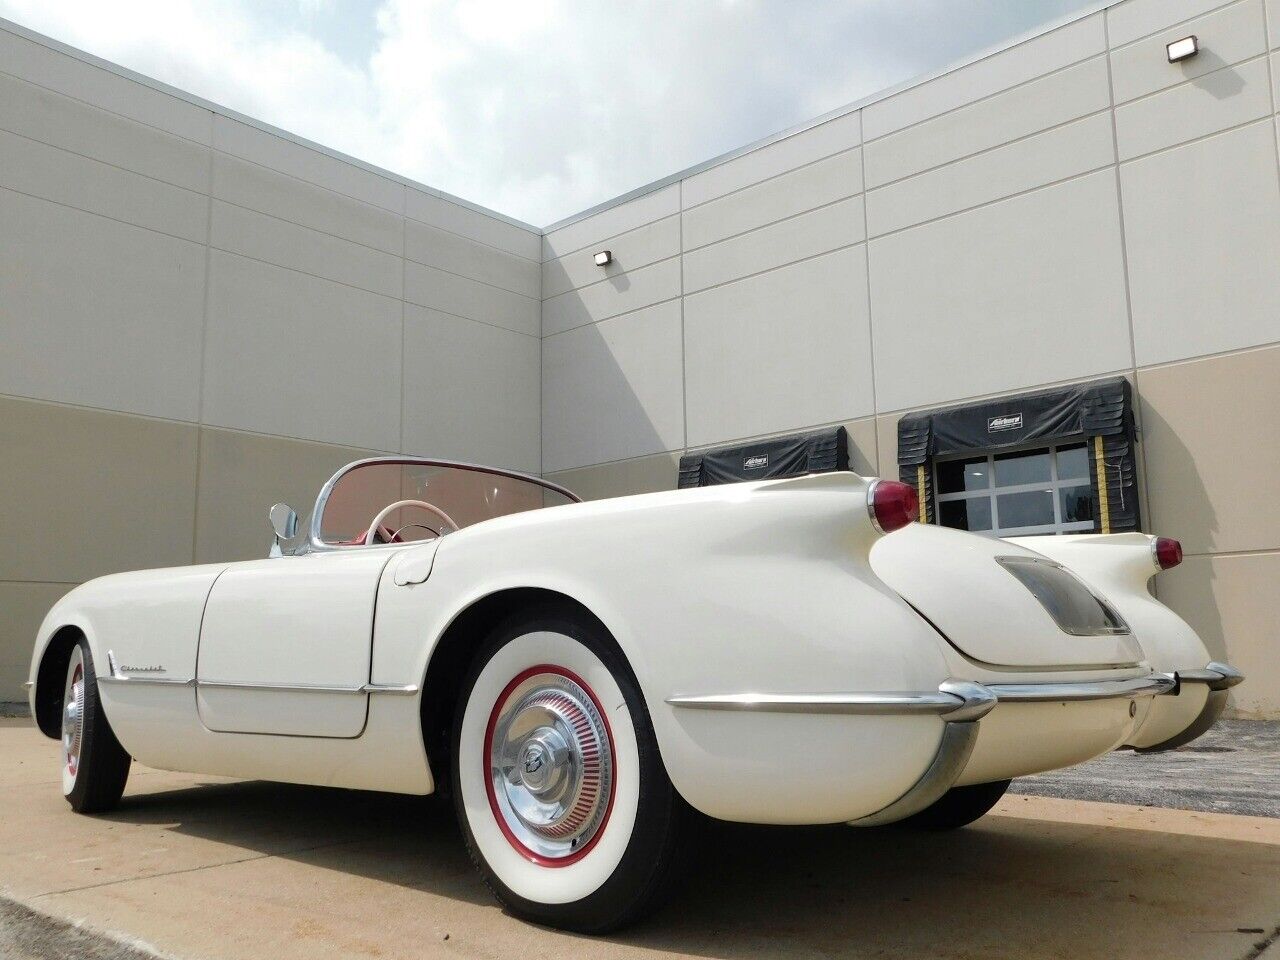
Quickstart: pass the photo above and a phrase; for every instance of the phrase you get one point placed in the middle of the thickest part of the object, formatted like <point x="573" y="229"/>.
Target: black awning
<point x="791" y="456"/>
<point x="1100" y="412"/>
<point x="1101" y="408"/>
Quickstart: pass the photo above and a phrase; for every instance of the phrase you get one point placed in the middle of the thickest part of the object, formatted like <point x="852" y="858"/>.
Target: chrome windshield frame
<point x="315" y="544"/>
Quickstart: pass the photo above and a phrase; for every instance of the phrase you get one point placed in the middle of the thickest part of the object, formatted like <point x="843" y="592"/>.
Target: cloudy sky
<point x="536" y="108"/>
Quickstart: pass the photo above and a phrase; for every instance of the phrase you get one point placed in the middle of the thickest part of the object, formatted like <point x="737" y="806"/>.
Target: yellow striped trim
<point x="1104" y="505"/>
<point x="924" y="501"/>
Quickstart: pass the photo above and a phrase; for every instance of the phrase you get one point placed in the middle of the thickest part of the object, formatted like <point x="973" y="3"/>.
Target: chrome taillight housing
<point x="892" y="505"/>
<point x="1167" y="552"/>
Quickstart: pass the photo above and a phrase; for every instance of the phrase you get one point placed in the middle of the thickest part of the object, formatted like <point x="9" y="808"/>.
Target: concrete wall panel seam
<point x="994" y="148"/>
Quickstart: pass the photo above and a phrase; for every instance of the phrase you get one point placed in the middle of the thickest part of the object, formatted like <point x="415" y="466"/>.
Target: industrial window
<point x="1041" y="490"/>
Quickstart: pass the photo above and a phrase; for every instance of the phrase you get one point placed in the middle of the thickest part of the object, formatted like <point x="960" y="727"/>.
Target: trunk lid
<point x="966" y="585"/>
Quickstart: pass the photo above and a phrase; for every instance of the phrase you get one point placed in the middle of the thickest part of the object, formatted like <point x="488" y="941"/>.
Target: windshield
<point x="413" y="501"/>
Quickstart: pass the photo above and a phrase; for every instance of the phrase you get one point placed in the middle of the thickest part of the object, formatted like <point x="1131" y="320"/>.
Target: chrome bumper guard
<point x="1219" y="677"/>
<point x="961" y="703"/>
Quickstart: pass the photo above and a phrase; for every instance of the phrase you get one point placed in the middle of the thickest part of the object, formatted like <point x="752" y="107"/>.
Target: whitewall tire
<point x="562" y="797"/>
<point x="94" y="765"/>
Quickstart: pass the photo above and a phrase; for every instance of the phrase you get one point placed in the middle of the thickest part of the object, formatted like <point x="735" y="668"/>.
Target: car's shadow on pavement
<point x="1007" y="886"/>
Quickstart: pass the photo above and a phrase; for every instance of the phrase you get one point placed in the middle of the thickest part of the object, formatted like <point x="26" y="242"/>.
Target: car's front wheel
<point x="561" y="793"/>
<point x="94" y="765"/>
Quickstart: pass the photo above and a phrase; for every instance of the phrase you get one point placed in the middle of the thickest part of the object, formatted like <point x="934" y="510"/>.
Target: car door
<point x="285" y="644"/>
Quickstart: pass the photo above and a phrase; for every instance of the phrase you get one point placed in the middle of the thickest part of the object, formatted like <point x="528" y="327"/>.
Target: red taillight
<point x="1168" y="552"/>
<point x="892" y="505"/>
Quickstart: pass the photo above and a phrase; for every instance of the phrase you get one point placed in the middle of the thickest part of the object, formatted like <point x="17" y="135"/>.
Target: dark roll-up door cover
<point x="792" y="456"/>
<point x="1100" y="413"/>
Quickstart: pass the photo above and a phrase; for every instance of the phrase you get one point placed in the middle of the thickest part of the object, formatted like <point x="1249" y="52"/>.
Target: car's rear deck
<point x="205" y="867"/>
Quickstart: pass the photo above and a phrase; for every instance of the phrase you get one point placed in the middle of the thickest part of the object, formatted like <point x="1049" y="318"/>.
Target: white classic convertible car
<point x="584" y="678"/>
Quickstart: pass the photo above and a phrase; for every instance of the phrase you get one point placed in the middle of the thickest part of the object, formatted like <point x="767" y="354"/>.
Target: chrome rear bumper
<point x="1219" y="677"/>
<point x="962" y="703"/>
<point x="954" y="700"/>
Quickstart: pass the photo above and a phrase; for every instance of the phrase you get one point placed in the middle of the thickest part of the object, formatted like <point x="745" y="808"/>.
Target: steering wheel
<point x="376" y="526"/>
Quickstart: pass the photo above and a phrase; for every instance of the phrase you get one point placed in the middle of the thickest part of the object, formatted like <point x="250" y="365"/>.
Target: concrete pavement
<point x="210" y="868"/>
<point x="1234" y="768"/>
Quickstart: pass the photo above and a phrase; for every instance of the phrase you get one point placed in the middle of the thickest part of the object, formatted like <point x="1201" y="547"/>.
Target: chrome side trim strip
<point x="1149" y="686"/>
<point x="955" y="700"/>
<point x="147" y="680"/>
<point x="957" y="744"/>
<point x="397" y="689"/>
<point x="27" y="685"/>
<point x="854" y="704"/>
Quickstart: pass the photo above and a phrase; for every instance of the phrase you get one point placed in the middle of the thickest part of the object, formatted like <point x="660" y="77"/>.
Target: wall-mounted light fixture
<point x="1183" y="49"/>
<point x="604" y="258"/>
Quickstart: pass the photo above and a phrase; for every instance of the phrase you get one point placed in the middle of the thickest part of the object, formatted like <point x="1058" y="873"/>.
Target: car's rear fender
<point x="1119" y="567"/>
<point x="750" y="587"/>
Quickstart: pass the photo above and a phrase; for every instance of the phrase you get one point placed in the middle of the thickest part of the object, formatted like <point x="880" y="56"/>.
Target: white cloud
<point x="537" y="108"/>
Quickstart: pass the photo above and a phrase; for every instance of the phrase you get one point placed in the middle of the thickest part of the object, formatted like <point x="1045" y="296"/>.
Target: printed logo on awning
<point x="757" y="462"/>
<point x="1010" y="421"/>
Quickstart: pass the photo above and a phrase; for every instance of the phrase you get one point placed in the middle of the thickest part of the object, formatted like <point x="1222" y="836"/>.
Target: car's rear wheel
<point x="959" y="806"/>
<point x="563" y="800"/>
<point x="94" y="765"/>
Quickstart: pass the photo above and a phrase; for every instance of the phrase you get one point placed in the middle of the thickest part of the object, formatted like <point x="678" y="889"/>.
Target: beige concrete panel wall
<point x="272" y="240"/>
<point x="786" y="195"/>
<point x="1202" y="229"/>
<point x="837" y="135"/>
<point x="109" y="91"/>
<point x="294" y="159"/>
<point x="472" y="391"/>
<point x="779" y="351"/>
<point x="661" y="471"/>
<point x="1059" y="154"/>
<point x="632" y="250"/>
<point x="839" y="224"/>
<point x="1213" y="451"/>
<point x="1134" y="19"/>
<point x="288" y="198"/>
<point x="38" y="170"/>
<point x="297" y="356"/>
<point x="622" y="478"/>
<point x="863" y="447"/>
<point x="242" y="474"/>
<point x="613" y="390"/>
<point x="24" y="606"/>
<point x="464" y="297"/>
<point x="591" y="231"/>
<point x="473" y="259"/>
<point x="887" y="444"/>
<point x="38" y="113"/>
<point x="85" y="492"/>
<point x="1273" y="23"/>
<point x="1230" y="35"/>
<point x="1217" y="101"/>
<point x="1029" y="60"/>
<point x="618" y="294"/>
<point x="1058" y="98"/>
<point x="1024" y="292"/>
<point x="1232" y="602"/>
<point x="442" y="212"/>
<point x="98" y="312"/>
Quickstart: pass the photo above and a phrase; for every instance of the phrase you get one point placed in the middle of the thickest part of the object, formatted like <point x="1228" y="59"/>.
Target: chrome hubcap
<point x="550" y="765"/>
<point x="73" y="721"/>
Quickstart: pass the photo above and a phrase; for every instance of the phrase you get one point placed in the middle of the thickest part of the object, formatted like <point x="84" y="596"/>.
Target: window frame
<point x="991" y="492"/>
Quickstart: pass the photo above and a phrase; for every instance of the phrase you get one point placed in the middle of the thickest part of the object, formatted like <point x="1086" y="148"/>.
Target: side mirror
<point x="284" y="521"/>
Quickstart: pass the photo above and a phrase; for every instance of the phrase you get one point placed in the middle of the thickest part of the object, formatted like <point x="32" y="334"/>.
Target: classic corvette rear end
<point x="581" y="677"/>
